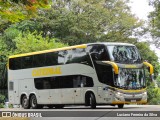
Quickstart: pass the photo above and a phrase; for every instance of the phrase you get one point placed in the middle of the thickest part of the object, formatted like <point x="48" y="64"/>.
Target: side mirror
<point x="150" y="69"/>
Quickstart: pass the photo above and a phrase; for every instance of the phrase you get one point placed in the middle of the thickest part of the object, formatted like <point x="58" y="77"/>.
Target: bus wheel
<point x="120" y="105"/>
<point x="33" y="102"/>
<point x="25" y="102"/>
<point x="92" y="101"/>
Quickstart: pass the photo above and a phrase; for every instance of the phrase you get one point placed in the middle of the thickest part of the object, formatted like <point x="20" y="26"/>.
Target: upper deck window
<point x="124" y="54"/>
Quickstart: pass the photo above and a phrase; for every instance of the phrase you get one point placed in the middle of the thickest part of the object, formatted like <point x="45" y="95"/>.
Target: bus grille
<point x="131" y="99"/>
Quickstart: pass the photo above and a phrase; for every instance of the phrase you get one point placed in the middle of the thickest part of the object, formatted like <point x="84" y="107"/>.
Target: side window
<point x="39" y="60"/>
<point x="82" y="81"/>
<point x="54" y="81"/>
<point x="79" y="56"/>
<point x="15" y="63"/>
<point x="98" y="52"/>
<point x="105" y="74"/>
<point x="68" y="56"/>
<point x="61" y="57"/>
<point x="51" y="59"/>
<point x="42" y="83"/>
<point x="77" y="82"/>
<point x="66" y="81"/>
<point x="27" y="62"/>
<point x="70" y="81"/>
<point x="89" y="81"/>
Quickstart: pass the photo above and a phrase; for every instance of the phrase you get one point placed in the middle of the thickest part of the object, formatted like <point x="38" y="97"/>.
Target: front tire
<point x="33" y="102"/>
<point x="25" y="102"/>
<point x="92" y="101"/>
<point x="120" y="105"/>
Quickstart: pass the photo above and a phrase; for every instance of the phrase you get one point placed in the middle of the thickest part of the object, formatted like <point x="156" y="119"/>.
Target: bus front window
<point x="124" y="54"/>
<point x="130" y="78"/>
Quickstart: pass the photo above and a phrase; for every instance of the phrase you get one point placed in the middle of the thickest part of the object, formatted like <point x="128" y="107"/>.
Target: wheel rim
<point x="90" y="100"/>
<point x="34" y="102"/>
<point x="25" y="102"/>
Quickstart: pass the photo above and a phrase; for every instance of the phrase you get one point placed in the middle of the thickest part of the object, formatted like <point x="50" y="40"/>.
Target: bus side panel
<point x="14" y="92"/>
<point x="26" y="86"/>
<point x="56" y="96"/>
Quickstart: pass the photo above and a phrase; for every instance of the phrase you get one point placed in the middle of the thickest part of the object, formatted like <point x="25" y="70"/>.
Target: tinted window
<point x="105" y="74"/>
<point x="61" y="57"/>
<point x="51" y="59"/>
<point x="98" y="52"/>
<point x="82" y="81"/>
<point x="79" y="56"/>
<point x="66" y="81"/>
<point x="68" y="56"/>
<point x="39" y="60"/>
<point x="70" y="81"/>
<point x="27" y="62"/>
<point x="15" y="63"/>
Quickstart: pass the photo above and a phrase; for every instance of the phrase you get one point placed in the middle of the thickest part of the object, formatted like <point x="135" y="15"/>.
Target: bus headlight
<point x="145" y="93"/>
<point x="119" y="94"/>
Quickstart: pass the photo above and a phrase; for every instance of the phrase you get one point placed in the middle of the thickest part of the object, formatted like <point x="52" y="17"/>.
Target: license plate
<point x="133" y="100"/>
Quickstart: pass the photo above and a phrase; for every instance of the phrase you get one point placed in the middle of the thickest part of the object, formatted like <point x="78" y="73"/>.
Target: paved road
<point x="131" y="112"/>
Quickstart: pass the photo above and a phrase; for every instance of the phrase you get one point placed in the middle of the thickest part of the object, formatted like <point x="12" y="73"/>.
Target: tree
<point x="12" y="11"/>
<point x="154" y="19"/>
<point x="31" y="42"/>
<point x="84" y="21"/>
<point x="16" y="42"/>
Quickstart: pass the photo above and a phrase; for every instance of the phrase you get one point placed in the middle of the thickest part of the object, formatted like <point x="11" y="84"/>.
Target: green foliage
<point x="16" y="10"/>
<point x="2" y="100"/>
<point x="30" y="42"/>
<point x="149" y="55"/>
<point x="154" y="18"/>
<point x="153" y="95"/>
<point x="83" y="21"/>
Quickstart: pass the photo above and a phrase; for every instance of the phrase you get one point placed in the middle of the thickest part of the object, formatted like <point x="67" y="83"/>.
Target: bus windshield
<point x="130" y="78"/>
<point x="124" y="54"/>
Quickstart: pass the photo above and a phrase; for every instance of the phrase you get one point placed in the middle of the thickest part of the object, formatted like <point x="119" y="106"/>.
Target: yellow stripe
<point x="125" y="102"/>
<point x="150" y="67"/>
<point x="130" y="66"/>
<point x="52" y="50"/>
<point x="129" y="90"/>
<point x="114" y="65"/>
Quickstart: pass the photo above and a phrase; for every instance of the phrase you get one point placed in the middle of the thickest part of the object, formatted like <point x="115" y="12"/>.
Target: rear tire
<point x="120" y="105"/>
<point x="33" y="102"/>
<point x="25" y="102"/>
<point x="92" y="101"/>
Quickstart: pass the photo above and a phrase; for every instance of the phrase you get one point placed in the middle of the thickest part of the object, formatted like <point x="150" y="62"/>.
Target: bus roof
<point x="112" y="43"/>
<point x="51" y="50"/>
<point x="69" y="47"/>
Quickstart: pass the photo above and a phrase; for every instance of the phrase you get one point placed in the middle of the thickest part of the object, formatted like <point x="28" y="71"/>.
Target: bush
<point x="2" y="100"/>
<point x="153" y="95"/>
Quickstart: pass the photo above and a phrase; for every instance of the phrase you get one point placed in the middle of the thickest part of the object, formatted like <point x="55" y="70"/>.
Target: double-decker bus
<point x="88" y="74"/>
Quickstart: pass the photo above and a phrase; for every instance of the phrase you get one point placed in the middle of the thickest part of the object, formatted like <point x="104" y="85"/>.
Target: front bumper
<point x="129" y="98"/>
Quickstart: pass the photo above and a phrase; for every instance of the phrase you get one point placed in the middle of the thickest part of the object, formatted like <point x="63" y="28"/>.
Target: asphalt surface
<point x="129" y="112"/>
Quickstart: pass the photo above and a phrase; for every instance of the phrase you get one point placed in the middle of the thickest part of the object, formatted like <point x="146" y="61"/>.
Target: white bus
<point x="88" y="74"/>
